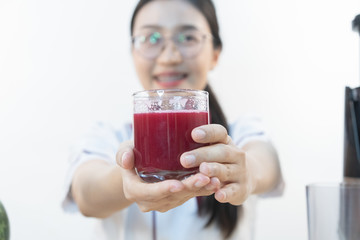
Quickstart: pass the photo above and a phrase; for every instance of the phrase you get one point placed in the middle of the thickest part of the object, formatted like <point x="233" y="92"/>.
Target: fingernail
<point x="198" y="184"/>
<point x="204" y="168"/>
<point x="124" y="156"/>
<point x="175" y="188"/>
<point x="215" y="181"/>
<point x="199" y="133"/>
<point x="221" y="195"/>
<point x="189" y="160"/>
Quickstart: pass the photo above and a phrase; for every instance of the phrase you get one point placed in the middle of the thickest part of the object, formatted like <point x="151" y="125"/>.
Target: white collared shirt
<point x="182" y="222"/>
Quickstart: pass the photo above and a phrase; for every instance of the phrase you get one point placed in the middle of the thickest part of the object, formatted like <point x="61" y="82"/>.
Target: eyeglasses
<point x="188" y="43"/>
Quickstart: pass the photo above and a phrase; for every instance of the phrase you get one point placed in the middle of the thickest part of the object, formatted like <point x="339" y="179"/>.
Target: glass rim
<point x="339" y="185"/>
<point x="133" y="37"/>
<point x="156" y="54"/>
<point x="170" y="90"/>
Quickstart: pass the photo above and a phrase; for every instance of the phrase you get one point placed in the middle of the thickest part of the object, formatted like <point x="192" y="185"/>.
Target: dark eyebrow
<point x="186" y="27"/>
<point x="151" y="26"/>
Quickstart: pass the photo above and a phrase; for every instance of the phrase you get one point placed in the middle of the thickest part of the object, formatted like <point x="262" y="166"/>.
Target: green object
<point x="4" y="224"/>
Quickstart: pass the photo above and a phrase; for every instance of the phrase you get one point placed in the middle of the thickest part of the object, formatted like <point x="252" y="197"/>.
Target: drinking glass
<point x="163" y="121"/>
<point x="333" y="211"/>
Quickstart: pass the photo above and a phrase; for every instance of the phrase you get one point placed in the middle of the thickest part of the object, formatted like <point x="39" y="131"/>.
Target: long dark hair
<point x="224" y="215"/>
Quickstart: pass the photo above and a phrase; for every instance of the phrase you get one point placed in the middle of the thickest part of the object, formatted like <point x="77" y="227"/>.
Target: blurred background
<point x="66" y="64"/>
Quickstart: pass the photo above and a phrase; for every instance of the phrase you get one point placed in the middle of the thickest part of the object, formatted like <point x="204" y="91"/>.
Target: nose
<point x="169" y="54"/>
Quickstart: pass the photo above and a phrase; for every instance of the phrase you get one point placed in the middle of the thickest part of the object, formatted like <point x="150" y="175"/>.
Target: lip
<point x="170" y="79"/>
<point x="173" y="84"/>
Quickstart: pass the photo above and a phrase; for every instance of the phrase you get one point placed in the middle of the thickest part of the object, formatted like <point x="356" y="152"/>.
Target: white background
<point x="66" y="64"/>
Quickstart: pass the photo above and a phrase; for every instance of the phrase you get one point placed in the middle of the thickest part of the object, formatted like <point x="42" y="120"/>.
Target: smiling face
<point x="173" y="67"/>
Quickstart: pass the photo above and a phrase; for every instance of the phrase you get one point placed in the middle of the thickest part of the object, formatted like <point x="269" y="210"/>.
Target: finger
<point x="221" y="153"/>
<point x="196" y="182"/>
<point x="137" y="189"/>
<point x="224" y="172"/>
<point x="231" y="193"/>
<point x="214" y="184"/>
<point x="125" y="155"/>
<point x="205" y="190"/>
<point x="212" y="133"/>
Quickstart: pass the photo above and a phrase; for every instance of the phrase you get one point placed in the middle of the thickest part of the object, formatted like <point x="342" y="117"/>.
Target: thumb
<point x="125" y="155"/>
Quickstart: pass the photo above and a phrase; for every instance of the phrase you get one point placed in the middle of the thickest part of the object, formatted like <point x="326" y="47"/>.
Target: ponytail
<point x="225" y="215"/>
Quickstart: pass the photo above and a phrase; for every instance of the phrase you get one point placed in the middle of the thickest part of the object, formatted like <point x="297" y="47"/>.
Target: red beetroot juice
<point x="160" y="139"/>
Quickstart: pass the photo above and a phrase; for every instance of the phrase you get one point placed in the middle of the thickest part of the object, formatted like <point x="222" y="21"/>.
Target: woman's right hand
<point x="161" y="196"/>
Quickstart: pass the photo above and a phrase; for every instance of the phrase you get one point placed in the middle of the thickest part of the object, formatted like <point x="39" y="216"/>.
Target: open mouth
<point x="170" y="80"/>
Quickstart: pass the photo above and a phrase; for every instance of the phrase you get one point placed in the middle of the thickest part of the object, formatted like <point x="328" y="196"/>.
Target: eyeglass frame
<point x="204" y="36"/>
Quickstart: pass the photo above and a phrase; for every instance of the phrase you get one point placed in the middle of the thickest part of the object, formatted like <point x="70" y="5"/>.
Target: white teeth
<point x="172" y="78"/>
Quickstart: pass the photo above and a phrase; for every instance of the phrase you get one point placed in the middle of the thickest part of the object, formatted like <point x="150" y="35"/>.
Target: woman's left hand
<point x="224" y="160"/>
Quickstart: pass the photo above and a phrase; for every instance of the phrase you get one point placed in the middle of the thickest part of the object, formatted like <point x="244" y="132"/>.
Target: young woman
<point x="175" y="43"/>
